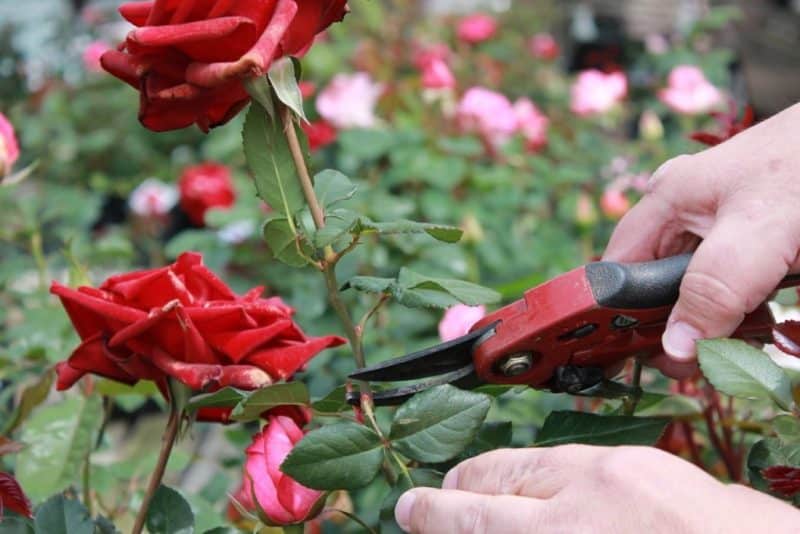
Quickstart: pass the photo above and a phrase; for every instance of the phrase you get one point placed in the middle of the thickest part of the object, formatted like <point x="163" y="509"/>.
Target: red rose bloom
<point x="181" y="321"/>
<point x="188" y="57"/>
<point x="320" y="133"/>
<point x="203" y="187"/>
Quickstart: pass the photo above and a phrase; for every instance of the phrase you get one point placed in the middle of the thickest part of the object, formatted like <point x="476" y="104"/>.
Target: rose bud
<point x="543" y="46"/>
<point x="188" y="59"/>
<point x="650" y="126"/>
<point x="205" y="186"/>
<point x="585" y="213"/>
<point x="9" y="148"/>
<point x="477" y="28"/>
<point x="614" y="204"/>
<point x="458" y="320"/>
<point x="276" y="497"/>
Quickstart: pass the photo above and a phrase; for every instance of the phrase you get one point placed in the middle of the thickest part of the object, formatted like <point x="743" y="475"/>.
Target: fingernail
<point x="679" y="340"/>
<point x="402" y="510"/>
<point x="451" y="479"/>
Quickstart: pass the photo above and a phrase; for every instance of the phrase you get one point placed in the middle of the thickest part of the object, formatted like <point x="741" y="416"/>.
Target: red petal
<point x="238" y="344"/>
<point x="706" y="138"/>
<point x="136" y="12"/>
<point x="787" y="337"/>
<point x="124" y="66"/>
<point x="90" y="314"/>
<point x="12" y="497"/>
<point x="783" y="479"/>
<point x="313" y="16"/>
<point x="91" y="356"/>
<point x="284" y="361"/>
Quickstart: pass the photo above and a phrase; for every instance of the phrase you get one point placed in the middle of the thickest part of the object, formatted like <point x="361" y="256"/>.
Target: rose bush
<point x="188" y="58"/>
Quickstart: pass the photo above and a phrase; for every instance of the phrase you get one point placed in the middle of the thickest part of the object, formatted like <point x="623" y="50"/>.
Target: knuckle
<point x="706" y="295"/>
<point x="668" y="173"/>
<point x="622" y="467"/>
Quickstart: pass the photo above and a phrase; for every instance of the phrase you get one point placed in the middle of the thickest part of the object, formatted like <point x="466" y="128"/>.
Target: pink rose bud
<point x="614" y="204"/>
<point x="532" y="124"/>
<point x="153" y="198"/>
<point x="650" y="126"/>
<point x="437" y="75"/>
<point x="349" y="101"/>
<point x="278" y="497"/>
<point x="9" y="148"/>
<point x="488" y="113"/>
<point x="585" y="213"/>
<point x="477" y="28"/>
<point x="458" y="320"/>
<point x="92" y="55"/>
<point x="689" y="92"/>
<point x="596" y="92"/>
<point x="543" y="46"/>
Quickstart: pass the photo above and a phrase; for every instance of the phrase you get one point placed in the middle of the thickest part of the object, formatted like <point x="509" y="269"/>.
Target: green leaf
<point x="577" y="427"/>
<point x="739" y="370"/>
<point x="270" y="161"/>
<point x="769" y="452"/>
<point x="338" y="456"/>
<point x="261" y="400"/>
<point x="261" y="91"/>
<point x="333" y="187"/>
<point x="59" y="515"/>
<point x="338" y="223"/>
<point x="371" y="284"/>
<point x="169" y="513"/>
<point x="284" y="82"/>
<point x="32" y="396"/>
<point x="332" y="403"/>
<point x="16" y="524"/>
<point x="440" y="232"/>
<point x="283" y="243"/>
<point x="494" y="435"/>
<point x="103" y="525"/>
<point x="224" y="398"/>
<point x="787" y="427"/>
<point x="658" y="405"/>
<point x="58" y="437"/>
<point x="437" y="424"/>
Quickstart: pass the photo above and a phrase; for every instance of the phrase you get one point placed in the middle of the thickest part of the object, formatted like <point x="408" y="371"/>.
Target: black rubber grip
<point x="635" y="286"/>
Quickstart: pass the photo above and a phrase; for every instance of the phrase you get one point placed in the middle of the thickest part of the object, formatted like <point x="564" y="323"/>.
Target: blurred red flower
<point x="188" y="58"/>
<point x="205" y="186"/>
<point x="783" y="479"/>
<point x="320" y="134"/>
<point x="543" y="46"/>
<point x="183" y="322"/>
<point x="12" y="497"/>
<point x="278" y="497"/>
<point x="730" y="124"/>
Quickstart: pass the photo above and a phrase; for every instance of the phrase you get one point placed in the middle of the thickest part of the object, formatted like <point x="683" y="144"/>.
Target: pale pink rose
<point x="597" y="92"/>
<point x="458" y="320"/>
<point x="437" y="75"/>
<point x="543" y="46"/>
<point x="9" y="147"/>
<point x="477" y="28"/>
<point x="153" y="198"/>
<point x="488" y="113"/>
<point x="689" y="92"/>
<point x="614" y="204"/>
<point x="349" y="101"/>
<point x="92" y="54"/>
<point x="426" y="54"/>
<point x="532" y="123"/>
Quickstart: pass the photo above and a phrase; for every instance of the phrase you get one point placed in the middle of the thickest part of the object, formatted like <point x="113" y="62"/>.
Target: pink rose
<point x="349" y="101"/>
<point x="425" y="54"/>
<point x="532" y="123"/>
<point x="437" y="75"/>
<point x="92" y="55"/>
<point x="281" y="499"/>
<point x="597" y="92"/>
<point x="458" y="320"/>
<point x="153" y="198"/>
<point x="477" y="28"/>
<point x="9" y="148"/>
<point x="689" y="92"/>
<point x="614" y="203"/>
<point x="488" y="113"/>
<point x="543" y="46"/>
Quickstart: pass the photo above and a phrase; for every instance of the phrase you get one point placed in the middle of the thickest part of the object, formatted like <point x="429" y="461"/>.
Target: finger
<point x="533" y="472"/>
<point x="733" y="270"/>
<point x="432" y="511"/>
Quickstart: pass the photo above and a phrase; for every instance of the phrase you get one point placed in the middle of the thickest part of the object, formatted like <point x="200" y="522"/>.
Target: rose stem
<point x="168" y="440"/>
<point x="329" y="265"/>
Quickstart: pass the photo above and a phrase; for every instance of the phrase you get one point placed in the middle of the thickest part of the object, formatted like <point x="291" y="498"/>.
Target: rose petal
<point x="284" y="361"/>
<point x="12" y="497"/>
<point x="91" y="356"/>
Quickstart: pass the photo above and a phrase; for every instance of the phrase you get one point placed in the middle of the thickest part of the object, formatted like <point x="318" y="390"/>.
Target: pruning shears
<point x="564" y="335"/>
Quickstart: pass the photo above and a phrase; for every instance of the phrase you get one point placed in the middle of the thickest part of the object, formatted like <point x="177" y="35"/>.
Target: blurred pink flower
<point x="349" y="101"/>
<point x="426" y="54"/>
<point x="153" y="198"/>
<point x="689" y="92"/>
<point x="543" y="46"/>
<point x="597" y="92"/>
<point x="614" y="203"/>
<point x="307" y="89"/>
<point x="458" y="320"/>
<point x="92" y="54"/>
<point x="9" y="148"/>
<point x="437" y="75"/>
<point x="488" y="113"/>
<point x="477" y="28"/>
<point x="585" y="213"/>
<point x="532" y="123"/>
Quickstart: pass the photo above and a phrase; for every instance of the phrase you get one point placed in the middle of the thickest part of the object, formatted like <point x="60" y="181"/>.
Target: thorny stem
<point x="167" y="442"/>
<point x="300" y="164"/>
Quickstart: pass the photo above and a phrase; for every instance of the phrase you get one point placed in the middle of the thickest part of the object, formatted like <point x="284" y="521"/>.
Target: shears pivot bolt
<point x="517" y="364"/>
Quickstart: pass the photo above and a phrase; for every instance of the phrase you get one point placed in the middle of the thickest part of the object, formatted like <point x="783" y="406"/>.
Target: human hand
<point x="741" y="198"/>
<point x="580" y="488"/>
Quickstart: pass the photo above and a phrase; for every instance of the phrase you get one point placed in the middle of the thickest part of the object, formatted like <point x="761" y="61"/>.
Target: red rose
<point x="181" y="321"/>
<point x="12" y="497"/>
<point x="783" y="479"/>
<point x="188" y="58"/>
<point x="203" y="187"/>
<point x="320" y="133"/>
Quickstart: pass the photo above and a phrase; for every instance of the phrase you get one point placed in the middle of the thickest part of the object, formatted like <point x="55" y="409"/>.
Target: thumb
<point x="736" y="268"/>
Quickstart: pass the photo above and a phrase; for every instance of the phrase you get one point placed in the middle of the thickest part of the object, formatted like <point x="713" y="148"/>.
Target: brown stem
<point x="167" y="442"/>
<point x="694" y="451"/>
<point x="730" y="465"/>
<point x="300" y="164"/>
